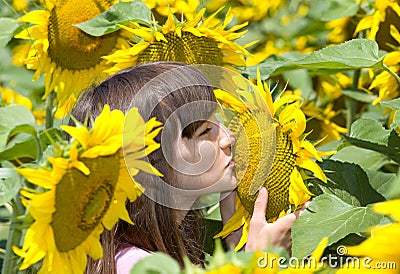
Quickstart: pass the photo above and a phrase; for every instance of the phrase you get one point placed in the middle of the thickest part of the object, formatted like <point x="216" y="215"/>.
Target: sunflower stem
<point x="351" y="103"/>
<point x="392" y="73"/>
<point x="49" y="110"/>
<point x="14" y="238"/>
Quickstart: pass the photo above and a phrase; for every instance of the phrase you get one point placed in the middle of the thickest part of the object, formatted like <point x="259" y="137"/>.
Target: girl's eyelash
<point x="205" y="131"/>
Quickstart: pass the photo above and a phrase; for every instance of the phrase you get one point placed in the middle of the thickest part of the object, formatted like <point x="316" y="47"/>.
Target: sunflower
<point x="292" y="160"/>
<point x="326" y="120"/>
<point x="69" y="58"/>
<point x="387" y="85"/>
<point x="86" y="187"/>
<point x="197" y="41"/>
<point x="383" y="28"/>
<point x="342" y="29"/>
<point x="386" y="16"/>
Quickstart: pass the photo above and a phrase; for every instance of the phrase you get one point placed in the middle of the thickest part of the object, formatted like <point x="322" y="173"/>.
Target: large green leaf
<point x="14" y="115"/>
<point x="7" y="28"/>
<point x="26" y="151"/>
<point x="10" y="184"/>
<point x="385" y="183"/>
<point x="353" y="54"/>
<point x="120" y="13"/>
<point x="157" y="263"/>
<point x="348" y="182"/>
<point x="28" y="129"/>
<point x="370" y="134"/>
<point x="329" y="216"/>
<point x="369" y="130"/>
<point x="16" y="119"/>
<point x="365" y="158"/>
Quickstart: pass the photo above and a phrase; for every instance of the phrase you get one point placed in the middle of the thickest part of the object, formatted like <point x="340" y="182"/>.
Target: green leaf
<point x="29" y="129"/>
<point x="14" y="115"/>
<point x="384" y="183"/>
<point x="356" y="53"/>
<point x="120" y="13"/>
<point x="392" y="104"/>
<point x="359" y="95"/>
<point x="348" y="182"/>
<point x="328" y="216"/>
<point x="353" y="54"/>
<point x="365" y="158"/>
<point x="157" y="262"/>
<point x="301" y="80"/>
<point x="7" y="28"/>
<point x="25" y="151"/>
<point x="370" y="134"/>
<point x="28" y="150"/>
<point x="334" y="9"/>
<point x="15" y="119"/>
<point x="396" y="120"/>
<point x="369" y="130"/>
<point x="10" y="184"/>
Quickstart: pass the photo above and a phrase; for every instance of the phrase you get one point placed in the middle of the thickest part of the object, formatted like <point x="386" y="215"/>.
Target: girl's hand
<point x="263" y="234"/>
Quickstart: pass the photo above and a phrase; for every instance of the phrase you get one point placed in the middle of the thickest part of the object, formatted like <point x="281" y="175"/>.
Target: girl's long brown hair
<point x="157" y="227"/>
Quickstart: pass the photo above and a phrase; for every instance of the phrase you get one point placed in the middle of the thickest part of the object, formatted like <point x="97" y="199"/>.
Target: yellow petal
<point x="391" y="207"/>
<point x="319" y="250"/>
<point x="237" y="220"/>
<point x="312" y="166"/>
<point x="38" y="177"/>
<point x="80" y="134"/>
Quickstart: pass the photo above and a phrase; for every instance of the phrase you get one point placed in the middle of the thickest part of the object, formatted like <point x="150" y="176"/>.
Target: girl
<point x="195" y="158"/>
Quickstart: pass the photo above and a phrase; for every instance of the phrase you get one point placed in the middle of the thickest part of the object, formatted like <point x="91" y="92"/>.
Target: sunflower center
<point x="250" y="160"/>
<point x="95" y="208"/>
<point x="69" y="47"/>
<point x="188" y="49"/>
<point x="82" y="201"/>
<point x="383" y="37"/>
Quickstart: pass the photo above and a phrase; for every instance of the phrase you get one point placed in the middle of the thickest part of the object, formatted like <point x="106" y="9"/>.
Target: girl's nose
<point x="227" y="139"/>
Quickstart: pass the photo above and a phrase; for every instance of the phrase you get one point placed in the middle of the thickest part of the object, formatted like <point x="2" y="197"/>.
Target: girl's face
<point x="205" y="161"/>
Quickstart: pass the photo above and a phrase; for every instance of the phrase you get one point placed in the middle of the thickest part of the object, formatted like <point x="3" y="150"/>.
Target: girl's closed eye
<point x="206" y="131"/>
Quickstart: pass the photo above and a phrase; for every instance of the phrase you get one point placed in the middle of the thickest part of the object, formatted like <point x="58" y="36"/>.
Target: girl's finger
<point x="260" y="206"/>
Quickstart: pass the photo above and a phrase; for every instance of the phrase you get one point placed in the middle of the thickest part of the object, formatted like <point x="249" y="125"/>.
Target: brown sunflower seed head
<point x="252" y="161"/>
<point x="83" y="201"/>
<point x="188" y="49"/>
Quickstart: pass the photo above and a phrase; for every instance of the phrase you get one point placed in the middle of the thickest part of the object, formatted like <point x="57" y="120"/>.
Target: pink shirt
<point x="128" y="257"/>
